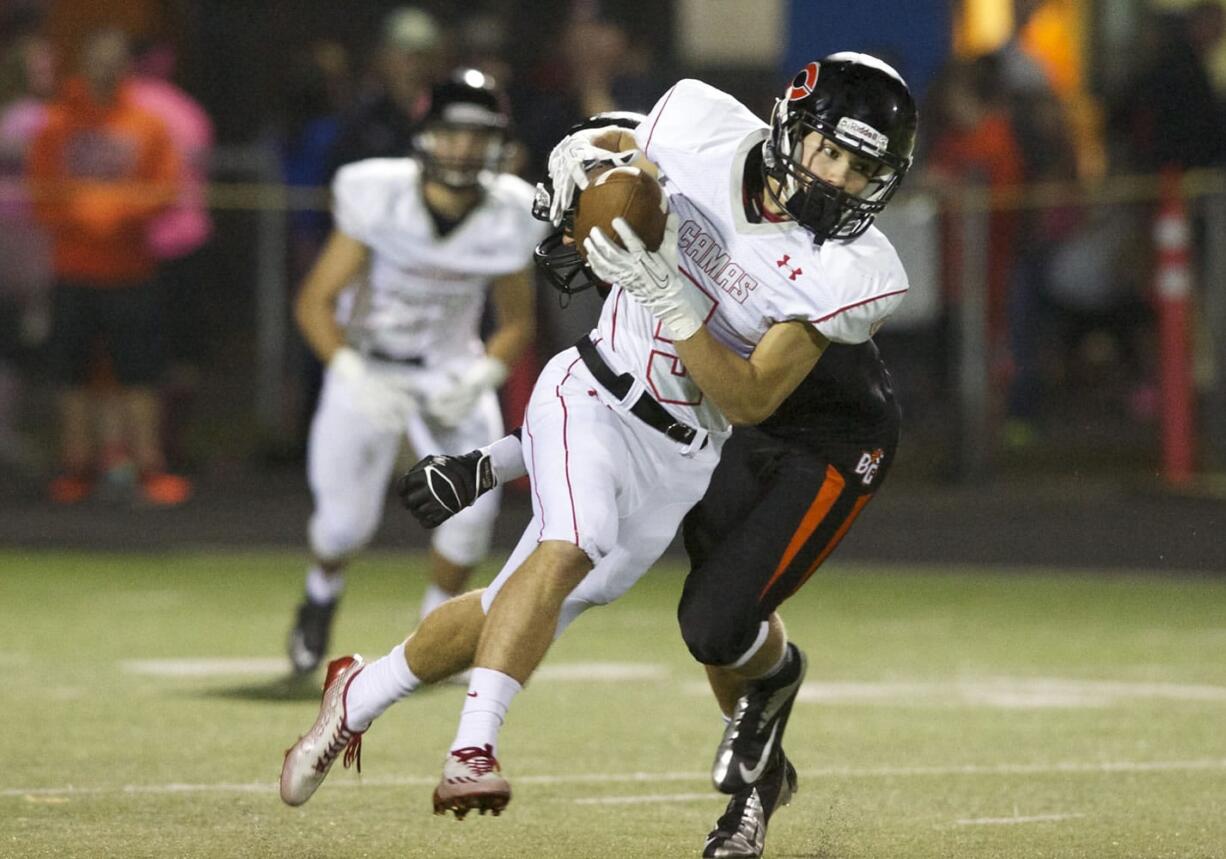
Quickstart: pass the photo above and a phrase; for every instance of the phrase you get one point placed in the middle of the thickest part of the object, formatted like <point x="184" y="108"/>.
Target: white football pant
<point x="350" y="459"/>
<point x="603" y="480"/>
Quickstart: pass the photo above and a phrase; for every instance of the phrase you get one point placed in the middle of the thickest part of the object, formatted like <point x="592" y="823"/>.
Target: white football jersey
<point x="426" y="293"/>
<point x="754" y="275"/>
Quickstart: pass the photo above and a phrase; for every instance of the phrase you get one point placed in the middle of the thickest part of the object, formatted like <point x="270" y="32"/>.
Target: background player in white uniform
<point x="419" y="243"/>
<point x="623" y="431"/>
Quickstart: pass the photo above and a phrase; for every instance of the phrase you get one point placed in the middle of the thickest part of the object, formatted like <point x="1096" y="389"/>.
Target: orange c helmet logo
<point x="804" y="82"/>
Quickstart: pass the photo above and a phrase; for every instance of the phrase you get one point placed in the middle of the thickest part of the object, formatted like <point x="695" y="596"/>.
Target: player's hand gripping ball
<point x="627" y="193"/>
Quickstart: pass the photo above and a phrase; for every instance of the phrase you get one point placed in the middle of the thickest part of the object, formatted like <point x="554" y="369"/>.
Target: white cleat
<point x="307" y="761"/>
<point x="472" y="779"/>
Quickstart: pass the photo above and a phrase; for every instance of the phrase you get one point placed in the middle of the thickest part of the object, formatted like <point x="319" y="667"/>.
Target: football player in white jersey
<point x="783" y="496"/>
<point x="769" y="257"/>
<point x="392" y="307"/>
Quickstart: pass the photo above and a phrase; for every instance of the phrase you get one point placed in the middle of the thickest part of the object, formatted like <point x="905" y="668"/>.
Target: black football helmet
<point x="556" y="257"/>
<point x="863" y="105"/>
<point x="468" y="100"/>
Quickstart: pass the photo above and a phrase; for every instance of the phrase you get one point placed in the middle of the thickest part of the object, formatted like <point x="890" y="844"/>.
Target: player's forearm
<point x="318" y="326"/>
<point x="733" y="383"/>
<point x="509" y="341"/>
<point x="343" y="258"/>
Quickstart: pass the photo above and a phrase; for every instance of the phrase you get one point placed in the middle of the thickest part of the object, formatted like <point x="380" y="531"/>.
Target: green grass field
<point x="968" y="713"/>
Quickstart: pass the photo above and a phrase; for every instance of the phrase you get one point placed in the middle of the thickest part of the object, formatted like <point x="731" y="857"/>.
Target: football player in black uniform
<point x="782" y="498"/>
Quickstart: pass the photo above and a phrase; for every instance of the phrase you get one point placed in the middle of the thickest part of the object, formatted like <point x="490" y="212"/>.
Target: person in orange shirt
<point x="101" y="170"/>
<point x="975" y="145"/>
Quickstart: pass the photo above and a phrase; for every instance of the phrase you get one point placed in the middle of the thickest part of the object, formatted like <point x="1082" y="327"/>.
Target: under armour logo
<point x="783" y="263"/>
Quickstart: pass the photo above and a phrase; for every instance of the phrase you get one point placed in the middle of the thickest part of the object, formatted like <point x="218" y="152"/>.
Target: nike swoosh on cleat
<point x="751" y="776"/>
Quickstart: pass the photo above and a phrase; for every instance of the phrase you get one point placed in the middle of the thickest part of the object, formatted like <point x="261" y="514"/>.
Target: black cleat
<point x="756" y="728"/>
<point x="741" y="831"/>
<point x="308" y="640"/>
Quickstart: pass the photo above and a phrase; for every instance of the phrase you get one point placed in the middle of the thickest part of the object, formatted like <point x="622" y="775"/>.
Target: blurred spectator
<point x="318" y="88"/>
<point x="408" y="60"/>
<point x="484" y="42"/>
<point x="1079" y="284"/>
<point x="178" y="236"/>
<point x="1020" y="71"/>
<point x="974" y="144"/>
<point x="27" y="80"/>
<point x="1168" y="112"/>
<point x="103" y="169"/>
<point x="597" y="66"/>
<point x="1048" y="151"/>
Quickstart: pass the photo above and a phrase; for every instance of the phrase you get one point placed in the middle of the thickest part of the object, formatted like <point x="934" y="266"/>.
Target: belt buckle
<point x="680" y="432"/>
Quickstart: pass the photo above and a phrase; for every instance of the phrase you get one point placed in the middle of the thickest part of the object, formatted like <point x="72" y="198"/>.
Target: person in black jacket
<point x="407" y="62"/>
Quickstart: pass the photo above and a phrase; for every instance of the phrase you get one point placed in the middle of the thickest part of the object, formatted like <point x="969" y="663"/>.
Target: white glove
<point x="382" y="404"/>
<point x="452" y="404"/>
<point x="569" y="162"/>
<point x="651" y="277"/>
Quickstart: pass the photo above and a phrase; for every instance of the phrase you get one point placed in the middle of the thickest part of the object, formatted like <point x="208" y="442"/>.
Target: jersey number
<point x="670" y="383"/>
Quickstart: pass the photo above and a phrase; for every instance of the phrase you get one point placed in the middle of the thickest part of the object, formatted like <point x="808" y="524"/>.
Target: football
<point x="622" y="192"/>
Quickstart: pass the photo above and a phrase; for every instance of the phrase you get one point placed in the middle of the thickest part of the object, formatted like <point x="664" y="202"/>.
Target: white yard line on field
<point x="1014" y="693"/>
<point x="1006" y="821"/>
<point x="646" y="798"/>
<point x="219" y="667"/>
<point x="1069" y="767"/>
<point x="603" y="672"/>
<point x="999" y="692"/>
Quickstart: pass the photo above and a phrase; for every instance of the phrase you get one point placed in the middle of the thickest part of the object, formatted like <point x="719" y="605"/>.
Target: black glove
<point x="440" y="486"/>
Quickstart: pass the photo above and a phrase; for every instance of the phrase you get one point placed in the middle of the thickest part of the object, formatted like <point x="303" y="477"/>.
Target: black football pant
<point x="774" y="511"/>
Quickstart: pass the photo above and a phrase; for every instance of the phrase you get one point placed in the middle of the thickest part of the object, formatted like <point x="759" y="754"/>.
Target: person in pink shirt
<point x="25" y="253"/>
<point x="178" y="238"/>
<point x="185" y="227"/>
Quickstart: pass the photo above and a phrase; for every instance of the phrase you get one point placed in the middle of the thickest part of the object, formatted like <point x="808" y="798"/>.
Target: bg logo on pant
<point x="867" y="467"/>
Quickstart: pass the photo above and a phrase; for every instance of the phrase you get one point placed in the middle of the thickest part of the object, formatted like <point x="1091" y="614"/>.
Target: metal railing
<point x="248" y="179"/>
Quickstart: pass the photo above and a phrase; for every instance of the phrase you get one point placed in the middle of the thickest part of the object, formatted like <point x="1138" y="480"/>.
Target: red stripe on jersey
<point x="570" y="490"/>
<point x="535" y="482"/>
<point x="616" y="307"/>
<point x="668" y="95"/>
<point x="827" y="494"/>
<point x="857" y="304"/>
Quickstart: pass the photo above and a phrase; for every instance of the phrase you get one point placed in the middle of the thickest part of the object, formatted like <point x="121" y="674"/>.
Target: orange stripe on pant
<point x="827" y="494"/>
<point x="834" y="541"/>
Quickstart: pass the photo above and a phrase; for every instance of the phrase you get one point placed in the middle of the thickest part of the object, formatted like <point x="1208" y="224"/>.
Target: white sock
<point x="433" y="598"/>
<point x="485" y="709"/>
<point x="507" y="457"/>
<point x="778" y="666"/>
<point x="763" y="632"/>
<point x="323" y="588"/>
<point x="378" y="686"/>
